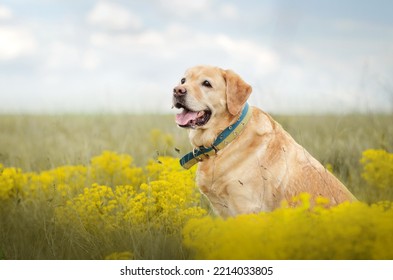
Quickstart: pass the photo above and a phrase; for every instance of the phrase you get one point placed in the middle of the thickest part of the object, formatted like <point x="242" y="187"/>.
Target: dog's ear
<point x="237" y="92"/>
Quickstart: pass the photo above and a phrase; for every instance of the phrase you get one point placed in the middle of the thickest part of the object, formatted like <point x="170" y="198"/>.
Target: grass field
<point x="36" y="143"/>
<point x="37" y="225"/>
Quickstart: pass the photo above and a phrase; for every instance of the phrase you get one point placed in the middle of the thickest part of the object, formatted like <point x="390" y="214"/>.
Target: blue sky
<point x="126" y="56"/>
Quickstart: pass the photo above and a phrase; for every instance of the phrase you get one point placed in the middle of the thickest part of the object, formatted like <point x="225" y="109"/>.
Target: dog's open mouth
<point x="191" y="119"/>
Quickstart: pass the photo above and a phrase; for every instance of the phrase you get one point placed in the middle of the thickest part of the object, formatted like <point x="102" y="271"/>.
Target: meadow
<point x="110" y="187"/>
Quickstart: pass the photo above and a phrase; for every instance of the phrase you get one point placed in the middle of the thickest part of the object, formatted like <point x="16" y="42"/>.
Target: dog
<point x="247" y="163"/>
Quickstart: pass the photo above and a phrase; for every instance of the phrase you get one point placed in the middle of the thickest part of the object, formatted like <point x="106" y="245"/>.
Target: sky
<point x="118" y="56"/>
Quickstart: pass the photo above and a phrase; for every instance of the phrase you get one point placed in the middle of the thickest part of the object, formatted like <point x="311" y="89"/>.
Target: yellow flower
<point x="347" y="231"/>
<point x="112" y="197"/>
<point x="378" y="168"/>
<point x="11" y="182"/>
<point x="166" y="201"/>
<point x="114" y="169"/>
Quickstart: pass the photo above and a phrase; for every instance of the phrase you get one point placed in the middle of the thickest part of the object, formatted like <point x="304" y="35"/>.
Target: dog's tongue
<point x="185" y="117"/>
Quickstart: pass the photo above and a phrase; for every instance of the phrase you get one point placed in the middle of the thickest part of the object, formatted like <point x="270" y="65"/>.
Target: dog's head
<point x="208" y="95"/>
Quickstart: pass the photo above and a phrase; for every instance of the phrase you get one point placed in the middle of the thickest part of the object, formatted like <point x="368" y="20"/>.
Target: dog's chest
<point x="230" y="188"/>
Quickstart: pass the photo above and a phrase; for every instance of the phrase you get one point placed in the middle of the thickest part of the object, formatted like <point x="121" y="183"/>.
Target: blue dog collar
<point x="222" y="140"/>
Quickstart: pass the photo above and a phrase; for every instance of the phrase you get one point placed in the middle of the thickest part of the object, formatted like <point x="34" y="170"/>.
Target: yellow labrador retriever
<point x="247" y="162"/>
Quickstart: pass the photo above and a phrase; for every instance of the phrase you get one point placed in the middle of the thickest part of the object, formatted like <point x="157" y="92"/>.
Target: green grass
<point x="36" y="143"/>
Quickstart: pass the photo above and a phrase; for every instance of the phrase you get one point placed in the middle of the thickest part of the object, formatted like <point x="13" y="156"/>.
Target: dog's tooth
<point x="200" y="113"/>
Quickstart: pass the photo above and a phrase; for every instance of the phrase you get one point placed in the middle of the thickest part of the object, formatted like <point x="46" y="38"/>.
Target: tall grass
<point x="34" y="142"/>
<point x="38" y="142"/>
<point x="29" y="229"/>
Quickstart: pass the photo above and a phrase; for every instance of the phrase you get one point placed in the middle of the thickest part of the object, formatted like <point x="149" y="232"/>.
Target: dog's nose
<point x="179" y="91"/>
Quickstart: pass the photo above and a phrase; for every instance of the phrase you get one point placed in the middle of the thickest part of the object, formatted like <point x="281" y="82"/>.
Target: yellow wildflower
<point x="11" y="182"/>
<point x="347" y="231"/>
<point x="114" y="169"/>
<point x="378" y="168"/>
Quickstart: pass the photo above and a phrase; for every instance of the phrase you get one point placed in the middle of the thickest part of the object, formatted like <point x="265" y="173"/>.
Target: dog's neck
<point x="220" y="141"/>
<point x="206" y="137"/>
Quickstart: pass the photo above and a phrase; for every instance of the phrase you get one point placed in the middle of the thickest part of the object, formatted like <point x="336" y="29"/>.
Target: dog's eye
<point x="183" y="81"/>
<point x="206" y="84"/>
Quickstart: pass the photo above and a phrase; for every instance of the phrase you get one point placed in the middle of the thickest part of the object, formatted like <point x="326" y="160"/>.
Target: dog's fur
<point x="264" y="165"/>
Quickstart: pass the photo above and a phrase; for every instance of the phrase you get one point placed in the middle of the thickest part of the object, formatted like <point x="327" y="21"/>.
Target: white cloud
<point x="172" y="43"/>
<point x="229" y="11"/>
<point x="16" y="42"/>
<point x="143" y="41"/>
<point x="113" y="17"/>
<point x="61" y="55"/>
<point x="5" y="13"/>
<point x="202" y="9"/>
<point x="184" y="9"/>
<point x="91" y="60"/>
<point x="261" y="58"/>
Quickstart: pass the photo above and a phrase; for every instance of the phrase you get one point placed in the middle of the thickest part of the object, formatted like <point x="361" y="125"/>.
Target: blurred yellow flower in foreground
<point x="347" y="231"/>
